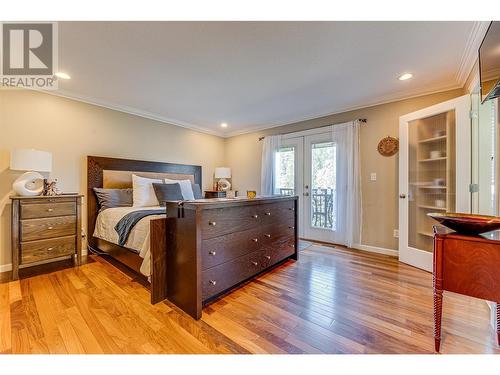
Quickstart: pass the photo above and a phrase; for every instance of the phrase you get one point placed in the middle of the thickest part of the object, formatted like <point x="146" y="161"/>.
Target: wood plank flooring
<point x="333" y="300"/>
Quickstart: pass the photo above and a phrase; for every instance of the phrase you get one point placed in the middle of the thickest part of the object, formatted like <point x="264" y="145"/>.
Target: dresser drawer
<point x="217" y="250"/>
<point x="224" y="276"/>
<point x="274" y="235"/>
<point x="275" y="254"/>
<point x="273" y="213"/>
<point x="36" y="251"/>
<point x="218" y="222"/>
<point x="37" y="229"/>
<point x="38" y="210"/>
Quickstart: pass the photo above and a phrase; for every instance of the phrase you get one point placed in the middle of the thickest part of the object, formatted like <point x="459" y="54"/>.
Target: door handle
<point x="402" y="196"/>
<point x="306" y="194"/>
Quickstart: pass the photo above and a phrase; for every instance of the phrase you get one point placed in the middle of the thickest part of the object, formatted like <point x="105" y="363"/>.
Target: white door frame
<point x="461" y="106"/>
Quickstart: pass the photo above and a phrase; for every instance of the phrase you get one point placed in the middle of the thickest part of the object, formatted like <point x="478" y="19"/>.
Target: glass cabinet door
<point x="434" y="174"/>
<point x="431" y="175"/>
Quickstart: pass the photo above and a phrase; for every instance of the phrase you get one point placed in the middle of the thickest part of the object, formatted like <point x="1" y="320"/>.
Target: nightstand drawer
<point x="36" y="251"/>
<point x="37" y="229"/>
<point x="38" y="210"/>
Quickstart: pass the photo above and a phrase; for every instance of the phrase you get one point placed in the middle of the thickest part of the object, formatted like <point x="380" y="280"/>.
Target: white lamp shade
<point x="30" y="160"/>
<point x="222" y="172"/>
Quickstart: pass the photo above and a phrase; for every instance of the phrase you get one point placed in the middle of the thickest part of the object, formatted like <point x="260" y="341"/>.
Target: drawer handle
<point x="212" y="253"/>
<point x="50" y="249"/>
<point x="212" y="223"/>
<point x="291" y="208"/>
<point x="50" y="228"/>
<point x="267" y="235"/>
<point x="291" y="227"/>
<point x="268" y="214"/>
<point x="213" y="282"/>
<point x="255" y="239"/>
<point x="267" y="257"/>
<point x="50" y="209"/>
<point x="255" y="216"/>
<point x="292" y="245"/>
<point x="254" y="263"/>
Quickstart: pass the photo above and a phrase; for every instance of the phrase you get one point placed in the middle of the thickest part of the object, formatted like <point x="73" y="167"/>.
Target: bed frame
<point x="103" y="172"/>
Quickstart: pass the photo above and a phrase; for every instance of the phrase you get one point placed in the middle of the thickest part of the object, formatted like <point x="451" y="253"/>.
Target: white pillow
<point x="143" y="193"/>
<point x="186" y="188"/>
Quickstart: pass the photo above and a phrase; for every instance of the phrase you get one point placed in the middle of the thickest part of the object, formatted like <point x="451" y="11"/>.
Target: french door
<point x="434" y="174"/>
<point x="306" y="166"/>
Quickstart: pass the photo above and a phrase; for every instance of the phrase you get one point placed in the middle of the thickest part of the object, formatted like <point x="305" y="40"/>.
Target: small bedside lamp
<point x="33" y="162"/>
<point x="222" y="173"/>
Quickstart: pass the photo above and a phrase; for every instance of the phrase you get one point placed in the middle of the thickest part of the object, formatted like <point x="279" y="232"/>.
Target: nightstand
<point x="215" y="194"/>
<point x="44" y="229"/>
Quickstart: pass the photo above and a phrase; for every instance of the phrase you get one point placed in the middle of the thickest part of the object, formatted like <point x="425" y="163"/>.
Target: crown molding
<point x="387" y="100"/>
<point x="137" y="112"/>
<point x="131" y="110"/>
<point x="470" y="53"/>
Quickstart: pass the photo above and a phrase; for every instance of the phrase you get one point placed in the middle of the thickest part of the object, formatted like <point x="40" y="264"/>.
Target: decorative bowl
<point x="467" y="223"/>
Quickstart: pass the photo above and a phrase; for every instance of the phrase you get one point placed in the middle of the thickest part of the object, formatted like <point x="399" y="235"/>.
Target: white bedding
<point x="138" y="238"/>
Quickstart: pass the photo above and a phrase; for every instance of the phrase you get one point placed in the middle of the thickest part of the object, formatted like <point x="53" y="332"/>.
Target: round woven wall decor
<point x="388" y="146"/>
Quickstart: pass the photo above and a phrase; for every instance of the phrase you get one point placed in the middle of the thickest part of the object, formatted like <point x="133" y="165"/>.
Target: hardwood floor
<point x="330" y="301"/>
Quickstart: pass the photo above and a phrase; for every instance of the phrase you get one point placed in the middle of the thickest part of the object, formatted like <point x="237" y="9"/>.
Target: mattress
<point x="138" y="239"/>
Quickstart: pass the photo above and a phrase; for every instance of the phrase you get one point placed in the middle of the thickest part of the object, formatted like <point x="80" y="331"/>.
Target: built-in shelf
<point x="435" y="187"/>
<point x="435" y="159"/>
<point x="425" y="207"/>
<point x="434" y="139"/>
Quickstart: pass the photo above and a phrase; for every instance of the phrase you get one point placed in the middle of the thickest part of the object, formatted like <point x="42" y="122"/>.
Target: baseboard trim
<point x="368" y="248"/>
<point x="8" y="267"/>
<point x="375" y="249"/>
<point x="5" y="267"/>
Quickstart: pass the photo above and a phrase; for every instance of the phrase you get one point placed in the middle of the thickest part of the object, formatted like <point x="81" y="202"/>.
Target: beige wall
<point x="72" y="130"/>
<point x="380" y="201"/>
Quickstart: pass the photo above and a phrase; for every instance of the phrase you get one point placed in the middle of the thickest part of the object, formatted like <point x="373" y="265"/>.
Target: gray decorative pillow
<point x="167" y="192"/>
<point x="109" y="198"/>
<point x="197" y="191"/>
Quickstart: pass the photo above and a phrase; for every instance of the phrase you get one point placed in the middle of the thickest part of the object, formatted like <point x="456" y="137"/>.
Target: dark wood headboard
<point x="97" y="166"/>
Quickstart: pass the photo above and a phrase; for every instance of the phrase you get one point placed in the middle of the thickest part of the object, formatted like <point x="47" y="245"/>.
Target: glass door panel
<point x="288" y="172"/>
<point x="285" y="170"/>
<point x="431" y="175"/>
<point x="320" y="187"/>
<point x="323" y="185"/>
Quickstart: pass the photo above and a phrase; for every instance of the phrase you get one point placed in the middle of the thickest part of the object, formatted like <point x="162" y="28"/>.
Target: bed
<point x="145" y="249"/>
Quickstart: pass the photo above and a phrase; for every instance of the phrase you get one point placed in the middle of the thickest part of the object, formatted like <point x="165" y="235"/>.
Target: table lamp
<point x="222" y="173"/>
<point x="32" y="161"/>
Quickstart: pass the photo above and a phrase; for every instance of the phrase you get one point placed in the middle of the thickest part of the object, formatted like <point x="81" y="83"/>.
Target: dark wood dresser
<point x="214" y="245"/>
<point x="468" y="265"/>
<point x="45" y="228"/>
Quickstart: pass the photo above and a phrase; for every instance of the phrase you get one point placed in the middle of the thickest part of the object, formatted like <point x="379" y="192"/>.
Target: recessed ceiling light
<point x="405" y="76"/>
<point x="62" y="75"/>
<point x="223" y="125"/>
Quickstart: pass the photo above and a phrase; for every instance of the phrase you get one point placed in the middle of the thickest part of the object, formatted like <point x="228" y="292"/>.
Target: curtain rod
<point x="362" y="120"/>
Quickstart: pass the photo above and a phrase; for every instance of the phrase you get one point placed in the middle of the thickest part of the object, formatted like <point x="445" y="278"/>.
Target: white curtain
<point x="348" y="197"/>
<point x="267" y="178"/>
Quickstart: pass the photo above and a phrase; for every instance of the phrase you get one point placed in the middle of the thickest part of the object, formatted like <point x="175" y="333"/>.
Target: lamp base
<point x="223" y="185"/>
<point x="28" y="184"/>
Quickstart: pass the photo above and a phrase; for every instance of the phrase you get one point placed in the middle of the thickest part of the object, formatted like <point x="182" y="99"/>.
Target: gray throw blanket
<point x="126" y="223"/>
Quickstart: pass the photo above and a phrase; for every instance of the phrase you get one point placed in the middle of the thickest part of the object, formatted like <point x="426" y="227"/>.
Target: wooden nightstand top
<point x="19" y="197"/>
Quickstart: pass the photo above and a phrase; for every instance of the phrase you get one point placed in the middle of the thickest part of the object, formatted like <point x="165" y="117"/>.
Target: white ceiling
<point x="256" y="75"/>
